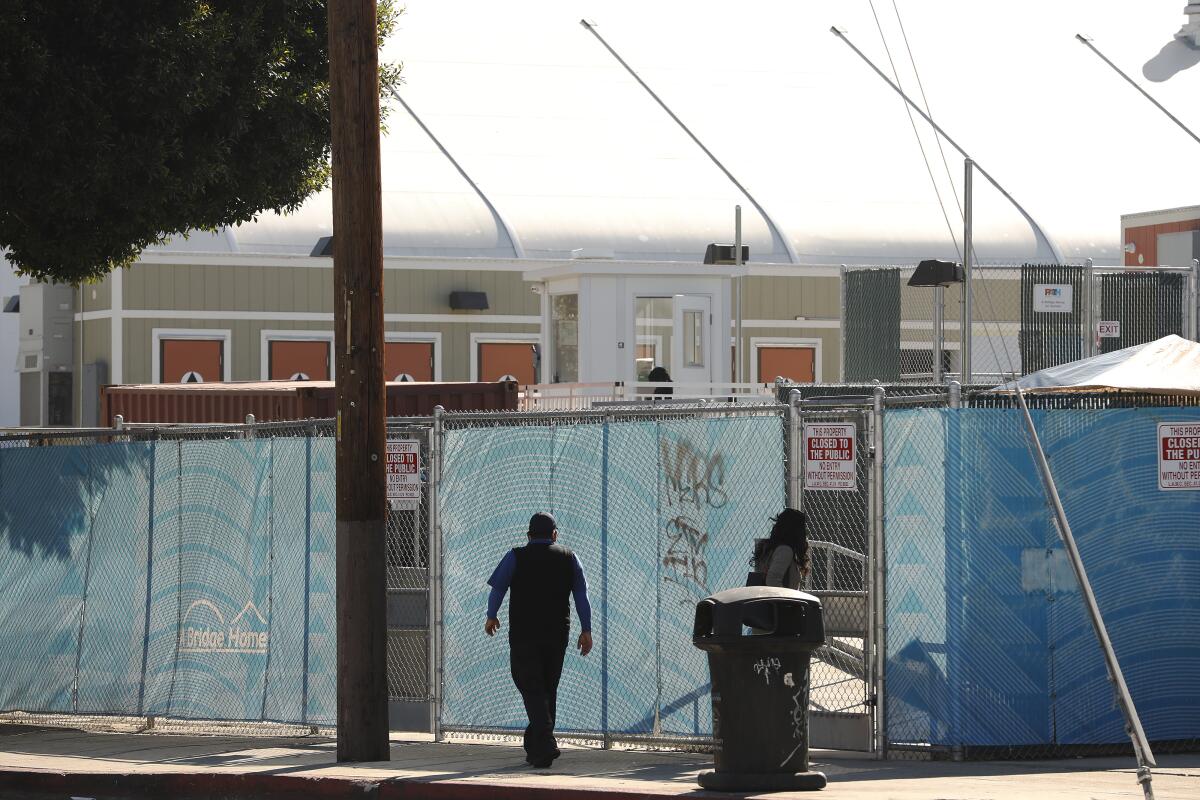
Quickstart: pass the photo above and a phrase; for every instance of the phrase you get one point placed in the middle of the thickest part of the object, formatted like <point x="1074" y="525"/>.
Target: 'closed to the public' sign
<point x="1179" y="455"/>
<point x="829" y="456"/>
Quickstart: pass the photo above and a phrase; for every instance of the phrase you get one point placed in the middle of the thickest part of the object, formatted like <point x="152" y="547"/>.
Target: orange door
<point x="298" y="359"/>
<point x="408" y="358"/>
<point x="191" y="360"/>
<point x="498" y="359"/>
<point x="794" y="363"/>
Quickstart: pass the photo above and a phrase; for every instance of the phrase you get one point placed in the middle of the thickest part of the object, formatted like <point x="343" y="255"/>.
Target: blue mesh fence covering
<point x="169" y="578"/>
<point x="989" y="644"/>
<point x="662" y="513"/>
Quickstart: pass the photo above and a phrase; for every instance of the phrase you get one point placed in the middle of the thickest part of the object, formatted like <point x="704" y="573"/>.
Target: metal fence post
<point x="842" y="323"/>
<point x="955" y="394"/>
<point x="1089" y="313"/>
<point x="435" y="576"/>
<point x="795" y="469"/>
<point x="878" y="586"/>
<point x="1193" y="300"/>
<point x="604" y="724"/>
<point x="939" y="303"/>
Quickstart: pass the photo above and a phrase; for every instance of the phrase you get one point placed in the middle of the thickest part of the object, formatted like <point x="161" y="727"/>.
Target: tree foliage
<point x="124" y="123"/>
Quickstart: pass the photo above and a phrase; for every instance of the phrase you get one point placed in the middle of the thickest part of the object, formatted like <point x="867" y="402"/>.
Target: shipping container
<point x="277" y="401"/>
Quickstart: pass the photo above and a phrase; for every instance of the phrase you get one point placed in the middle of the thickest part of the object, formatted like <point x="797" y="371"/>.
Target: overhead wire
<point x="928" y="110"/>
<point x="1033" y="444"/>
<point x="958" y="201"/>
<point x="916" y="133"/>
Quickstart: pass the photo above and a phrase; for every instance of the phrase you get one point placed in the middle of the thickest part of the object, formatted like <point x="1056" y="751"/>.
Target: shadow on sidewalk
<point x="423" y="760"/>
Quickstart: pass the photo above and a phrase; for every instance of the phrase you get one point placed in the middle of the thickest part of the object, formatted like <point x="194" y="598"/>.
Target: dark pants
<point x="536" y="667"/>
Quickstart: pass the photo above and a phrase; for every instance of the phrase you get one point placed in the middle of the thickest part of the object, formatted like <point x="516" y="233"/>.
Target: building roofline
<point x="1185" y="212"/>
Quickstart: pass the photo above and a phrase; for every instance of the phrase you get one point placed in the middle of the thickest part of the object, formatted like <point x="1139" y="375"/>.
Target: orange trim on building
<point x="1145" y="240"/>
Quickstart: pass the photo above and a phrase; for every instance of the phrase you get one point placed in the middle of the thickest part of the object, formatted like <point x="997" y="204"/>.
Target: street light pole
<point x="362" y="713"/>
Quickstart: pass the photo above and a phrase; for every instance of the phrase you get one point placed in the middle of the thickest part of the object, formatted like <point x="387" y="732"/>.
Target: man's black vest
<point x="541" y="584"/>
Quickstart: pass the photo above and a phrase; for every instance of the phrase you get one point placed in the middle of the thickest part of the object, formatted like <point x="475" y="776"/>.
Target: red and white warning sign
<point x="403" y="465"/>
<point x="1179" y="455"/>
<point x="829" y="456"/>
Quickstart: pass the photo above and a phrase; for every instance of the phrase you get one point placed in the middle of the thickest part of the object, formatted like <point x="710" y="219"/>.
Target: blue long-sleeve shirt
<point x="502" y="578"/>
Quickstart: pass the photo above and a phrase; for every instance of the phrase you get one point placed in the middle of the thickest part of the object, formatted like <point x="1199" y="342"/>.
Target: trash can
<point x="759" y="686"/>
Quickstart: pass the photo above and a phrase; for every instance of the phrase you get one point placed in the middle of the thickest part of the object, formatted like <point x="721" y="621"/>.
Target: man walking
<point x="541" y="575"/>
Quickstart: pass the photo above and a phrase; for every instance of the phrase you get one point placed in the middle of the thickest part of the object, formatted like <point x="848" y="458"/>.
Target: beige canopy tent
<point x="1170" y="365"/>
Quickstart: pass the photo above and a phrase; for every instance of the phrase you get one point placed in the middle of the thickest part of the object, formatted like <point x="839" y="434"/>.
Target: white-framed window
<point x="564" y="337"/>
<point x="296" y="355"/>
<point x="165" y="356"/>
<point x="500" y="355"/>
<point x="412" y="356"/>
<point x="768" y="351"/>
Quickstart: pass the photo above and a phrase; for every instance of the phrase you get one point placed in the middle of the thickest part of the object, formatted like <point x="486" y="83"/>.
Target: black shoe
<point x="544" y="761"/>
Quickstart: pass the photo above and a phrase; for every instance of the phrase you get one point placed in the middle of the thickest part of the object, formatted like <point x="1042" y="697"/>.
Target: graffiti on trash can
<point x="765" y="666"/>
<point x="797" y="712"/>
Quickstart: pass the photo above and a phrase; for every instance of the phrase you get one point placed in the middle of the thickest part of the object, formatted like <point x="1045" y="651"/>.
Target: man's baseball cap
<point x="542" y="525"/>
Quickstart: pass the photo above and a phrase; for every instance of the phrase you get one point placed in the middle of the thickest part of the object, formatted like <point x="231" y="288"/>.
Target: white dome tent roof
<point x="574" y="154"/>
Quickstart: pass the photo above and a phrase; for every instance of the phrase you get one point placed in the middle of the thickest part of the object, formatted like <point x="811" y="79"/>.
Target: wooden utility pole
<point x="362" y="714"/>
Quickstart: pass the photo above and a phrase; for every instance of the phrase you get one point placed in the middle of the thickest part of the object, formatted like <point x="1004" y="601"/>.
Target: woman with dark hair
<point x="660" y="375"/>
<point x="784" y="556"/>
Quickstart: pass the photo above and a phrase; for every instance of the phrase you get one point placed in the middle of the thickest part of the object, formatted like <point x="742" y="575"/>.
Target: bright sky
<point x="574" y="153"/>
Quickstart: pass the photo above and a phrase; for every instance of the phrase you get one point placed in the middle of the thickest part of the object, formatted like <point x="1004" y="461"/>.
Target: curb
<point x="41" y="785"/>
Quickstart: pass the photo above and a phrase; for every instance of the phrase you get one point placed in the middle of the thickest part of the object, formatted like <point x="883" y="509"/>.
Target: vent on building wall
<point x="468" y="301"/>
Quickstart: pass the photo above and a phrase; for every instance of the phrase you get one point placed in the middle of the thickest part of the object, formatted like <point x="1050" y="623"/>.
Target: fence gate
<point x="1145" y="305"/>
<point x="408" y="638"/>
<point x="832" y="482"/>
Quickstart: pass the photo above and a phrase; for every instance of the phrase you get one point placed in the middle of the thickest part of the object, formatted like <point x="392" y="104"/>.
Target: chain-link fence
<point x="989" y="649"/>
<point x="1024" y="318"/>
<point x="1141" y="306"/>
<point x="169" y="573"/>
<point x="661" y="505"/>
<point x="932" y="550"/>
<point x="218" y="540"/>
<point x="835" y="478"/>
<point x="409" y="656"/>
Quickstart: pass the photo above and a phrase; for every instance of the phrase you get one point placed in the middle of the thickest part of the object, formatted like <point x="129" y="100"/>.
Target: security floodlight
<point x="725" y="254"/>
<point x="933" y="272"/>
<point x="323" y="247"/>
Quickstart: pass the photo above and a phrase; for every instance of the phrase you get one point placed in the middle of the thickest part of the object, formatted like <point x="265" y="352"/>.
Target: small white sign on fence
<point x="829" y="456"/>
<point x="1108" y="329"/>
<point x="403" y="465"/>
<point x="1054" y="298"/>
<point x="1179" y="455"/>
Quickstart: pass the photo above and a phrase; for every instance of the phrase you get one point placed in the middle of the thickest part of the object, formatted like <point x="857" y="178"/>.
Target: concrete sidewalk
<point x="37" y="762"/>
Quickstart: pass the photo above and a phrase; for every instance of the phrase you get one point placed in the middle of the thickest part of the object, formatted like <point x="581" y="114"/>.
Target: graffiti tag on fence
<point x="692" y="477"/>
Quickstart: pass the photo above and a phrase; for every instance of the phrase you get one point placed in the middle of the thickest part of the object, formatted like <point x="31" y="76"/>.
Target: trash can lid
<point x="744" y="594"/>
<point x="777" y="613"/>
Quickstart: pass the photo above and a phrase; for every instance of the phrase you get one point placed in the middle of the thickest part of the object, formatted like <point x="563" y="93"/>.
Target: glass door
<point x="653" y="328"/>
